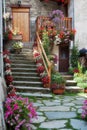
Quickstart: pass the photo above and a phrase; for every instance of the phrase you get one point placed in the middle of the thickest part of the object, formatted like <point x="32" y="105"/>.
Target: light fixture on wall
<point x="19" y="2"/>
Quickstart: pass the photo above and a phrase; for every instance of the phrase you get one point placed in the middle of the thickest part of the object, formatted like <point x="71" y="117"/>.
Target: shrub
<point x="19" y="113"/>
<point x="84" y="112"/>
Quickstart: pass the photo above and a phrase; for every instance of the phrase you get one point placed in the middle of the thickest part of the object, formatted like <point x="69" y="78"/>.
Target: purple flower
<point x="56" y="16"/>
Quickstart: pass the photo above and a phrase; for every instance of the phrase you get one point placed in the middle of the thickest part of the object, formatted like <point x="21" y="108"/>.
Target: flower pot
<point x="85" y="90"/>
<point x="58" y="90"/>
<point x="18" y="50"/>
<point x="17" y="37"/>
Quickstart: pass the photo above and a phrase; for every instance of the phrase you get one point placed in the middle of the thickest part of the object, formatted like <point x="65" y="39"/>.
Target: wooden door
<point x="63" y="57"/>
<point x="21" y="22"/>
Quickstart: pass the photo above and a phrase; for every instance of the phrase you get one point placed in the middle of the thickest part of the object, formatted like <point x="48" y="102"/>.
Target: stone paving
<point x="60" y="113"/>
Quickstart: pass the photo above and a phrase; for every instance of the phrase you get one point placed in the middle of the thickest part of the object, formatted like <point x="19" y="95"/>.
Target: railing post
<point x="49" y="69"/>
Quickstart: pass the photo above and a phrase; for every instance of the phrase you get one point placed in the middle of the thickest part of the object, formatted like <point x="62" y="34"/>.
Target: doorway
<point x="63" y="57"/>
<point x="21" y="21"/>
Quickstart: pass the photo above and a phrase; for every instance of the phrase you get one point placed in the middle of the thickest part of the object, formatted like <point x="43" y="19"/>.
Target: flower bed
<point x="84" y="110"/>
<point x="40" y="68"/>
<point x="19" y="113"/>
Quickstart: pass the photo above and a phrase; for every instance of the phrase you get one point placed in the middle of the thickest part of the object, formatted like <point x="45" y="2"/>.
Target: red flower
<point x="10" y="36"/>
<point x="36" y="54"/>
<point x="8" y="78"/>
<point x="54" y="85"/>
<point x="45" y="80"/>
<point x="7" y="60"/>
<point x="6" y="52"/>
<point x="40" y="69"/>
<point x="76" y="70"/>
<point x="39" y="61"/>
<point x="73" y="31"/>
<point x="12" y="92"/>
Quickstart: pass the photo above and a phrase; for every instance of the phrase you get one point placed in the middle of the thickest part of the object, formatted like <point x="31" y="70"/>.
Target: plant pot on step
<point x="18" y="50"/>
<point x="59" y="91"/>
<point x="58" y="88"/>
<point x="85" y="90"/>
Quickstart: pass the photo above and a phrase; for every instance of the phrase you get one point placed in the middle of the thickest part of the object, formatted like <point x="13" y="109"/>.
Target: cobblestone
<point x="57" y="112"/>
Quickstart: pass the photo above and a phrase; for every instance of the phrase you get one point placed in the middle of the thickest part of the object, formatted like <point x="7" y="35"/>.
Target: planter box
<point x="17" y="37"/>
<point x="17" y="51"/>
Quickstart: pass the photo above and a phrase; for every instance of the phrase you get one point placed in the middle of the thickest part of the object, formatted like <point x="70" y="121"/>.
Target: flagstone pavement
<point x="60" y="113"/>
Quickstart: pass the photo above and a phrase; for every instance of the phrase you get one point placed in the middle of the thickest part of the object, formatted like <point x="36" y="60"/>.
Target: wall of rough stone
<point x="80" y="21"/>
<point x="37" y="8"/>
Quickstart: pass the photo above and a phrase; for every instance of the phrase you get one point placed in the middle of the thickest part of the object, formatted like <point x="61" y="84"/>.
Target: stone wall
<point x="80" y="21"/>
<point x="2" y="98"/>
<point x="37" y="7"/>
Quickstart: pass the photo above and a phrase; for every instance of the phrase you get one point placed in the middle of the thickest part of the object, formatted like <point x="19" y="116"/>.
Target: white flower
<point x="39" y="64"/>
<point x="6" y="56"/>
<point x="43" y="74"/>
<point x="8" y="72"/>
<point x="18" y="45"/>
<point x="7" y="65"/>
<point x="57" y="40"/>
<point x="6" y="16"/>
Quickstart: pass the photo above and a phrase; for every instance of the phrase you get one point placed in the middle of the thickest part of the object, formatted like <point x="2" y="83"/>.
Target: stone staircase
<point x="71" y="85"/>
<point x="26" y="80"/>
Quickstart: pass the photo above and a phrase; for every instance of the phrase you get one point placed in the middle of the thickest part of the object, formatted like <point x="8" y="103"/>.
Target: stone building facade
<point x="37" y="8"/>
<point x="77" y="9"/>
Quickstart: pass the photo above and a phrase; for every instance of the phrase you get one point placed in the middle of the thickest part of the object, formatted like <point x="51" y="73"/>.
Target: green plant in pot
<point x="17" y="46"/>
<point x="58" y="83"/>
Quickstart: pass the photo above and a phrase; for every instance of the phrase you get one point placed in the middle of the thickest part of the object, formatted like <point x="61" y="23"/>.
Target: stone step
<point x="23" y="69"/>
<point x="24" y="74"/>
<point x="23" y="58"/>
<point x="23" y="65"/>
<point x="74" y="89"/>
<point x="68" y="77"/>
<point x="27" y="50"/>
<point x="71" y="83"/>
<point x="23" y="61"/>
<point x="21" y="55"/>
<point x="27" y="83"/>
<point x="26" y="78"/>
<point x="38" y="95"/>
<point x="32" y="89"/>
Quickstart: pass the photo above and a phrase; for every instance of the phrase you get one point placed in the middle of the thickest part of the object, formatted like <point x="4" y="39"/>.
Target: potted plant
<point x="17" y="46"/>
<point x="58" y="83"/>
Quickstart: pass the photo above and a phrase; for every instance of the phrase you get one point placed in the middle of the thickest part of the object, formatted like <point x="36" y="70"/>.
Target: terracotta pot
<point x="58" y="90"/>
<point x="85" y="90"/>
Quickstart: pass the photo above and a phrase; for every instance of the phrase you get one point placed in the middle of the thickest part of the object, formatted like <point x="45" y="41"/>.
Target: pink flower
<point x="19" y="111"/>
<point x="15" y="107"/>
